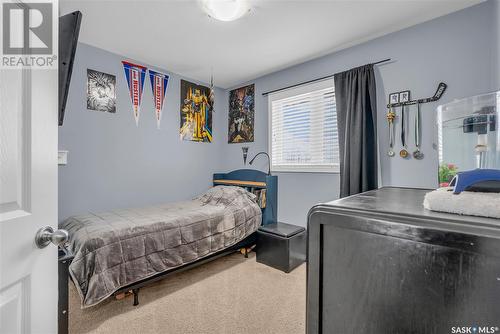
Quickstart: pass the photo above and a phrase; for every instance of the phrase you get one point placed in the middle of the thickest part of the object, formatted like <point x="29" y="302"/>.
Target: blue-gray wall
<point x="455" y="49"/>
<point x="112" y="163"/>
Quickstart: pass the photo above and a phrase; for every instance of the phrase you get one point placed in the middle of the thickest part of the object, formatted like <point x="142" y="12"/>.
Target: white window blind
<point x="303" y="129"/>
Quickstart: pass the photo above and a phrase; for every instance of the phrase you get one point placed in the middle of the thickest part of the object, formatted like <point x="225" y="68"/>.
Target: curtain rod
<point x="318" y="79"/>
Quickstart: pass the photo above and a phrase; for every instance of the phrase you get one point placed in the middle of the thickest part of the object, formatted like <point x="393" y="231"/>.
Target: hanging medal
<point x="404" y="152"/>
<point x="418" y="154"/>
<point x="391" y="115"/>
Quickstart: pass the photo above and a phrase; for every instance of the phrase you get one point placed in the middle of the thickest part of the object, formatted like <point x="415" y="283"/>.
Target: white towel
<point x="466" y="203"/>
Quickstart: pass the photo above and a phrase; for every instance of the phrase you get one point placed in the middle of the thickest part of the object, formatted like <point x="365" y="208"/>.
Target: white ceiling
<point x="179" y="37"/>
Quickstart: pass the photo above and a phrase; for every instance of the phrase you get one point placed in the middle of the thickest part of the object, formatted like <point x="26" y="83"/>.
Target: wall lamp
<point x="268" y="161"/>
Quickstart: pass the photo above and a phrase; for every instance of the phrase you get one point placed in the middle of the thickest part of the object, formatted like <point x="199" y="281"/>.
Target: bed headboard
<point x="254" y="180"/>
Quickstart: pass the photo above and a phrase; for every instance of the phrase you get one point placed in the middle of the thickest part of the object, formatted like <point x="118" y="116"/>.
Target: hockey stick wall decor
<point x="439" y="92"/>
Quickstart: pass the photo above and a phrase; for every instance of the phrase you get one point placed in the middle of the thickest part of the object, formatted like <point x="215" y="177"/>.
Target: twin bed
<point x="126" y="249"/>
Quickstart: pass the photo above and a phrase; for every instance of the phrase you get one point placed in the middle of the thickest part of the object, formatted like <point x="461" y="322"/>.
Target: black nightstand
<point x="281" y="246"/>
<point x="65" y="258"/>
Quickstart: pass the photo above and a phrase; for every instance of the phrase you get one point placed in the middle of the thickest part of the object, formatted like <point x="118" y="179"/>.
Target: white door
<point x="28" y="200"/>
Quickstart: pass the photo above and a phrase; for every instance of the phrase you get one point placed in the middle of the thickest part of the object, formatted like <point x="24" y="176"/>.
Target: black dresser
<point x="379" y="263"/>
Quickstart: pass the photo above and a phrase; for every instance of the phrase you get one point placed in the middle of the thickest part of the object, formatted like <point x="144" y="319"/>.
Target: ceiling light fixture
<point x="225" y="10"/>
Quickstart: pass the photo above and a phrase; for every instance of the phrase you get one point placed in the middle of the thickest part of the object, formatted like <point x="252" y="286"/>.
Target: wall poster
<point x="241" y="114"/>
<point x="101" y="91"/>
<point x="196" y="112"/>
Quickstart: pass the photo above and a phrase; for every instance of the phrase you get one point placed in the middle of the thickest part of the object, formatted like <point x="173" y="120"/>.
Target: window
<point x="303" y="129"/>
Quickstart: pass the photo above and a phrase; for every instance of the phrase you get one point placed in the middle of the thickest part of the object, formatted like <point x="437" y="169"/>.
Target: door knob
<point x="46" y="235"/>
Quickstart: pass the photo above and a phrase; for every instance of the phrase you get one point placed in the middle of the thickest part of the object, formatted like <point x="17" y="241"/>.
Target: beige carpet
<point x="229" y="295"/>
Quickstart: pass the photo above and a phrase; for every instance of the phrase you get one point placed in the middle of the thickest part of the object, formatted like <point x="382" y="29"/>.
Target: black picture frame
<point x="404" y="96"/>
<point x="394" y="98"/>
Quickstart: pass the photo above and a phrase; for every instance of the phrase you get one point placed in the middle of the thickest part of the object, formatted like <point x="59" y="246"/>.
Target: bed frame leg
<point x="246" y="253"/>
<point x="136" y="296"/>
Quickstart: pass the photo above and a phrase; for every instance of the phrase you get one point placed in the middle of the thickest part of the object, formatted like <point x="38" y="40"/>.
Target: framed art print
<point x="101" y="91"/>
<point x="241" y="115"/>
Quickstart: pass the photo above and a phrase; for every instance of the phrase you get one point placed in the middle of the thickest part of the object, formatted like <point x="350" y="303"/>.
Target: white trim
<point x="270" y="131"/>
<point x="305" y="169"/>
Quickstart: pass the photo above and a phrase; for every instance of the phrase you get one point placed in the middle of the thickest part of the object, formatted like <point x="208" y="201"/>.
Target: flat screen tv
<point x="69" y="28"/>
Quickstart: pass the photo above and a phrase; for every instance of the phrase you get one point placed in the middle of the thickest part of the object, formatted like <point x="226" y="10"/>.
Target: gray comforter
<point x="117" y="248"/>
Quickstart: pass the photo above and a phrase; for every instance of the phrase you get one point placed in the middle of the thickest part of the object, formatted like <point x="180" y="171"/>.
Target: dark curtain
<point x="355" y="94"/>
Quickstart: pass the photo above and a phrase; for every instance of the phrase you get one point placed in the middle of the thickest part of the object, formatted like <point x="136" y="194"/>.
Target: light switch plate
<point x="62" y="158"/>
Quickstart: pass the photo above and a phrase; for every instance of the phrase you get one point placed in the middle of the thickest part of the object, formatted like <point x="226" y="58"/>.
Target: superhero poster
<point x="241" y="115"/>
<point x="196" y="112"/>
